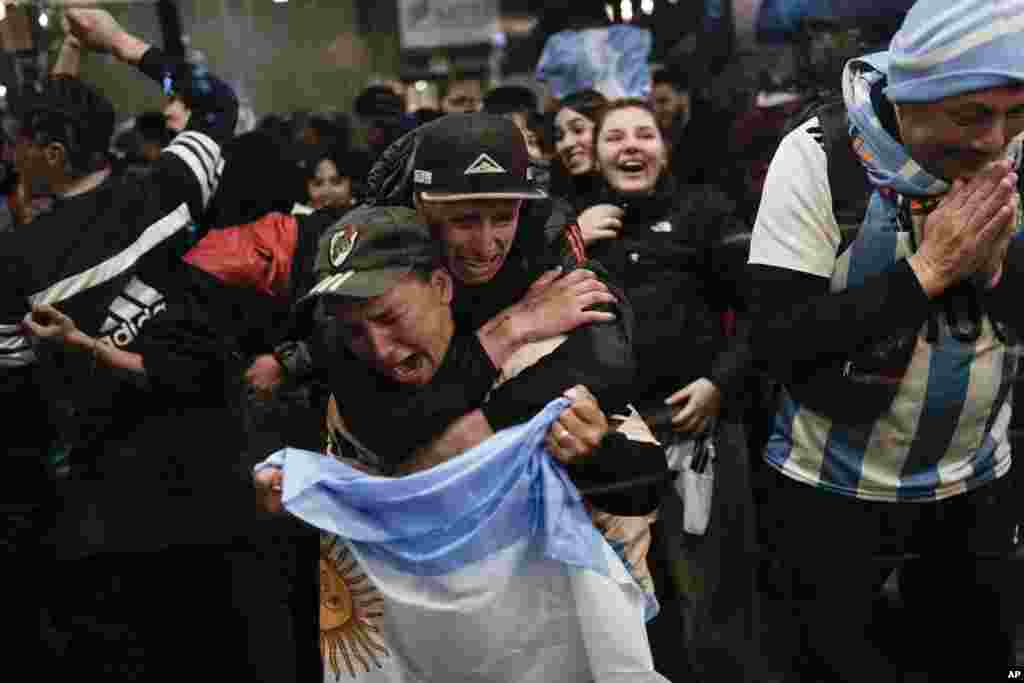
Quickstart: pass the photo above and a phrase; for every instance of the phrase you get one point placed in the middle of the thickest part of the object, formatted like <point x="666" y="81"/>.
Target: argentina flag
<point x="484" y="568"/>
<point x="611" y="60"/>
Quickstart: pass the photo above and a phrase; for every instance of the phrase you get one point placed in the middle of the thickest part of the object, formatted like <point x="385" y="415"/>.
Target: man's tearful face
<point x="477" y="236"/>
<point x="403" y="334"/>
<point x="958" y="136"/>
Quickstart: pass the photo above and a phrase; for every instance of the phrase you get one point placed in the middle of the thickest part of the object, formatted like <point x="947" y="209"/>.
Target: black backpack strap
<point x="847" y="179"/>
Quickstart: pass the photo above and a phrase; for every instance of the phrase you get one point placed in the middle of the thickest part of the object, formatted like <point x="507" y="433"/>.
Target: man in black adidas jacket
<point x="101" y="257"/>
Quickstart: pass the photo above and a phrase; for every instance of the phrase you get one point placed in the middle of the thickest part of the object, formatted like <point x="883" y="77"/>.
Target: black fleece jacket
<point x="681" y="258"/>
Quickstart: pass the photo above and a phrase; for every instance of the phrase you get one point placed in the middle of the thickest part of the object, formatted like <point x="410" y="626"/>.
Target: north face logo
<point x="132" y="309"/>
<point x="484" y="164"/>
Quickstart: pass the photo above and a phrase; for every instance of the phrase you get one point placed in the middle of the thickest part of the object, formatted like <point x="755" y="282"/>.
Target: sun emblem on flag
<point x="350" y="612"/>
<point x="860" y="149"/>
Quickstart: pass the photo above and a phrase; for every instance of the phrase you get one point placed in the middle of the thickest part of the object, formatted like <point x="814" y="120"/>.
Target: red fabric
<point x="575" y="237"/>
<point x="256" y="255"/>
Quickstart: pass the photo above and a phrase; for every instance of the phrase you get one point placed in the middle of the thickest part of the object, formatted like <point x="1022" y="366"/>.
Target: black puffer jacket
<point x="681" y="258"/>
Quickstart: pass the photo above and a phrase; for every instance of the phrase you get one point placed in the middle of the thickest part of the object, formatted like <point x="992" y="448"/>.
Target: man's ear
<point x="441" y="279"/>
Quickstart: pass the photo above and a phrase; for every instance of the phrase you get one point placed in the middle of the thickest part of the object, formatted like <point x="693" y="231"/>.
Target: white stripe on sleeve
<point x="173" y="222"/>
<point x="193" y="161"/>
<point x="209" y="150"/>
<point x="18" y="360"/>
<point x="203" y="156"/>
<point x="15" y="348"/>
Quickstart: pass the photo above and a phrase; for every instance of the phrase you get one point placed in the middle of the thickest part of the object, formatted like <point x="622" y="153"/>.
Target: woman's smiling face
<point x="574" y="141"/>
<point x="631" y="153"/>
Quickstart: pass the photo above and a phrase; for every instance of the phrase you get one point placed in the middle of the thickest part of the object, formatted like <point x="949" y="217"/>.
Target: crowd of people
<point x="817" y="302"/>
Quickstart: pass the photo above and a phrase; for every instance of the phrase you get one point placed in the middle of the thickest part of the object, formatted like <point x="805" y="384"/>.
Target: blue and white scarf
<point x="885" y="159"/>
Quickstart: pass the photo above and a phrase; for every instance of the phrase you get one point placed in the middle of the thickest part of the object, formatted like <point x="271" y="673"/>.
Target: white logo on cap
<point x="332" y="283"/>
<point x="423" y="177"/>
<point x="342" y="244"/>
<point x="662" y="226"/>
<point x="484" y="164"/>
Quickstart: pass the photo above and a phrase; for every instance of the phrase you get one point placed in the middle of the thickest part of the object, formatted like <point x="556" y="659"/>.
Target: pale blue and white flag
<point x="484" y="568"/>
<point x="613" y="60"/>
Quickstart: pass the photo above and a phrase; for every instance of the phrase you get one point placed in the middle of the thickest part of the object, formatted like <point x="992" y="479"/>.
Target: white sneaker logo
<point x="484" y="164"/>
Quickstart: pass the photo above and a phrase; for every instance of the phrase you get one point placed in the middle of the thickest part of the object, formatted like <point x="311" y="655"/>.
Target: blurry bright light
<point x="280" y="2"/>
<point x="420" y="86"/>
<point x="647" y="6"/>
<point x="673" y="2"/>
<point x="44" y="19"/>
<point x="626" y="8"/>
<point x="610" y="11"/>
<point x="3" y="91"/>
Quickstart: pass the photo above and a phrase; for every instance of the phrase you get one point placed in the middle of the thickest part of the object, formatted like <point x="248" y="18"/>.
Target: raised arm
<point x="214" y="107"/>
<point x="69" y="59"/>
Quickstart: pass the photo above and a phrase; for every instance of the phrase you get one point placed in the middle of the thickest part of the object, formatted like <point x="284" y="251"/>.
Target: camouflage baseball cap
<point x="369" y="249"/>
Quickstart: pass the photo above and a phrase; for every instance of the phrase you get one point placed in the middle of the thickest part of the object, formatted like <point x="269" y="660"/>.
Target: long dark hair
<point x="351" y="163"/>
<point x="590" y="104"/>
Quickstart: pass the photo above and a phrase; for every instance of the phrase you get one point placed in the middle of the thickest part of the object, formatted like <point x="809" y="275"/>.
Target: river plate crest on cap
<point x="342" y="245"/>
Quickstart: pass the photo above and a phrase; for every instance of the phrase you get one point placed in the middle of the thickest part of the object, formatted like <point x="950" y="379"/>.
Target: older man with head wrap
<point x="895" y="342"/>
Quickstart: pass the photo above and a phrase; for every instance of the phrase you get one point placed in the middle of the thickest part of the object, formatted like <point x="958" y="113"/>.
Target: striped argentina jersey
<point x="946" y="429"/>
<point x="84" y="256"/>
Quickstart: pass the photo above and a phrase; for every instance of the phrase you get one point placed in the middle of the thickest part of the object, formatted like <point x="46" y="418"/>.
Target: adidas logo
<point x="484" y="164"/>
<point x="132" y="309"/>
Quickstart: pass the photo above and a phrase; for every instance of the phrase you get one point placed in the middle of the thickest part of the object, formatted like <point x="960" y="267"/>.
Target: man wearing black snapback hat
<point x="467" y="175"/>
<point x="383" y="285"/>
<point x="472" y="157"/>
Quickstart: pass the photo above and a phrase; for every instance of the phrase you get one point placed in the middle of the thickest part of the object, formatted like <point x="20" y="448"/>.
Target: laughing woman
<point x="680" y="255"/>
<point x="579" y="181"/>
<point x="576" y="177"/>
